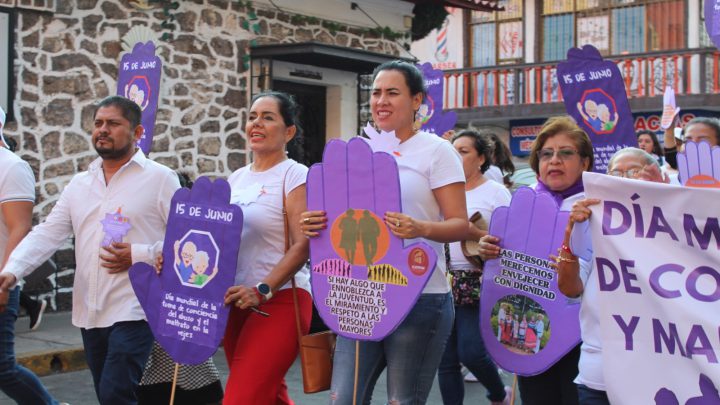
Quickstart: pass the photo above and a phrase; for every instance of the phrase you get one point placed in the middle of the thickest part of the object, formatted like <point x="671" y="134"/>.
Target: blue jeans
<point x="466" y="346"/>
<point x="16" y="381"/>
<point x="116" y="357"/>
<point x="411" y="354"/>
<point x="589" y="396"/>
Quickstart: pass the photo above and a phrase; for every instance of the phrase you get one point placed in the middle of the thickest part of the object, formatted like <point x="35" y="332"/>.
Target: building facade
<point x="63" y="55"/>
<point x="500" y="71"/>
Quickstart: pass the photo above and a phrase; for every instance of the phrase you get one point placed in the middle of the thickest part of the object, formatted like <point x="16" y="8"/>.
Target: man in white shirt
<point x="17" y="194"/>
<point x="117" y="210"/>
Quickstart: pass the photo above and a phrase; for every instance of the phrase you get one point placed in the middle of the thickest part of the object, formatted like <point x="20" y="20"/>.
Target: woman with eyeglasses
<point x="559" y="155"/>
<point x="576" y="277"/>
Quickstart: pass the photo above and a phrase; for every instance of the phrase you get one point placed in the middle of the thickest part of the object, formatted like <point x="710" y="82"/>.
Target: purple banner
<point x="184" y="305"/>
<point x="364" y="281"/>
<point x="430" y="114"/>
<point x="139" y="80"/>
<point x="594" y="95"/>
<point x="699" y="165"/>
<point x="527" y="324"/>
<point x="712" y="21"/>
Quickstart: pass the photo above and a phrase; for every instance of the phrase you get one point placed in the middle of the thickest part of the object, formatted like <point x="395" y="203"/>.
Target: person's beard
<point x="111" y="153"/>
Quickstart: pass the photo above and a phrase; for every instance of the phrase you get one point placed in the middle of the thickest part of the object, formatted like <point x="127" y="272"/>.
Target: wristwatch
<point x="264" y="290"/>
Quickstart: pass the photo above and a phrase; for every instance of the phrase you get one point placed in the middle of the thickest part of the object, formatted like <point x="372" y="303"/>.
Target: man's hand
<point x="7" y="282"/>
<point x="118" y="257"/>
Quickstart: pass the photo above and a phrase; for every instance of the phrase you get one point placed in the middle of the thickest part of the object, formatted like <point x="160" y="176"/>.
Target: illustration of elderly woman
<point x="200" y="266"/>
<point x="184" y="259"/>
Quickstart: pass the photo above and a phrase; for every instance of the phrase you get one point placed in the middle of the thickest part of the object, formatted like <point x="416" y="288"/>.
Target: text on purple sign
<point x="525" y="273"/>
<point x="208" y="213"/>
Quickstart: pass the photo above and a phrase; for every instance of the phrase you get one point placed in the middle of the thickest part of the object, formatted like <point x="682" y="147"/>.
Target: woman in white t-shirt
<point x="434" y="212"/>
<point x="261" y="349"/>
<point x="465" y="344"/>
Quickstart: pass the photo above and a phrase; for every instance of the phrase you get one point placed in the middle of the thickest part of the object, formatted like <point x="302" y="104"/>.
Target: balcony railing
<point x="688" y="71"/>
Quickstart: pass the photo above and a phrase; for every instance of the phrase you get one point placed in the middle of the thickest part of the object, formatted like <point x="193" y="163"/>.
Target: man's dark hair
<point x="130" y="110"/>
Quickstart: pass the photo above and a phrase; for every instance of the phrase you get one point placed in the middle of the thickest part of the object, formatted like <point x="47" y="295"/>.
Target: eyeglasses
<point x="628" y="174"/>
<point x="563" y="154"/>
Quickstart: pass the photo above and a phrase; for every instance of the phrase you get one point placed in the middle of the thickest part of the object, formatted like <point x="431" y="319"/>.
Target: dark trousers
<point x="466" y="346"/>
<point x="589" y="396"/>
<point x="116" y="357"/>
<point x="555" y="386"/>
<point x="17" y="382"/>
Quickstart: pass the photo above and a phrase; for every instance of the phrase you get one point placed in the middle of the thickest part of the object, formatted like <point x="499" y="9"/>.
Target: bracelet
<point x="565" y="259"/>
<point x="565" y="248"/>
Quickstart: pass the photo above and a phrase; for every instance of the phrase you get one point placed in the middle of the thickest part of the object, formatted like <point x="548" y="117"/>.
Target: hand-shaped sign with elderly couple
<point x="184" y="303"/>
<point x="364" y="280"/>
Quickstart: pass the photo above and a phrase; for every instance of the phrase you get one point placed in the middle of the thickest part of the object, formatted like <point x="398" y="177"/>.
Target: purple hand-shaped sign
<point x="699" y="165"/>
<point x="526" y="322"/>
<point x="712" y="20"/>
<point x="184" y="305"/>
<point x="430" y="114"/>
<point x="364" y="281"/>
<point x="139" y="80"/>
<point x="594" y="94"/>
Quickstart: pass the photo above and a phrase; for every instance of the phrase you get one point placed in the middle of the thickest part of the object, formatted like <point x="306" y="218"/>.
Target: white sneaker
<point x="470" y="377"/>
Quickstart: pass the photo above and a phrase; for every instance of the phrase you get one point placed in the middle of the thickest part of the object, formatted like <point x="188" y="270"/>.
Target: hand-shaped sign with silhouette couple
<point x="364" y="280"/>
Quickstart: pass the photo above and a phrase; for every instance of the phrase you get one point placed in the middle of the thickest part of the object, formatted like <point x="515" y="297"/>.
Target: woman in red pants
<point x="261" y="349"/>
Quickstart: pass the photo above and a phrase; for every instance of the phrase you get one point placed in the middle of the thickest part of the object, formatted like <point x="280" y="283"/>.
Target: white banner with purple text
<point x="657" y="257"/>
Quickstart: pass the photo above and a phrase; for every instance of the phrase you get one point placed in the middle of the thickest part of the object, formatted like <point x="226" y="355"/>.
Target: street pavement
<point x="57" y="336"/>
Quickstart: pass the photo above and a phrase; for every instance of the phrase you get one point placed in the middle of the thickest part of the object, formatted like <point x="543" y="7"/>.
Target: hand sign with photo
<point x="364" y="280"/>
<point x="184" y="304"/>
<point x="520" y="287"/>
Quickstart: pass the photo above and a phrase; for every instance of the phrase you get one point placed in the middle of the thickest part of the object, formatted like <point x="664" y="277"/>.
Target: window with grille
<point x="497" y="38"/>
<point x="615" y="27"/>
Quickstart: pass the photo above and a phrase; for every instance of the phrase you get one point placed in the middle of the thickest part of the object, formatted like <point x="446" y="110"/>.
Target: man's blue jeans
<point x="116" y="356"/>
<point x="411" y="354"/>
<point x="467" y="347"/>
<point x="16" y="381"/>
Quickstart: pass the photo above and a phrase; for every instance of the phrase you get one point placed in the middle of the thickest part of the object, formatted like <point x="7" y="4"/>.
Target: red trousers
<point x="260" y="350"/>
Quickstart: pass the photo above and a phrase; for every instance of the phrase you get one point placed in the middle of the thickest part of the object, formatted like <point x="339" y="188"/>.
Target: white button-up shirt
<point x="141" y="190"/>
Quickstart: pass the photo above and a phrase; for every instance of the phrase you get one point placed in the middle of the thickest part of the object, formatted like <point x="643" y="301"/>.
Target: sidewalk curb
<point x="49" y="362"/>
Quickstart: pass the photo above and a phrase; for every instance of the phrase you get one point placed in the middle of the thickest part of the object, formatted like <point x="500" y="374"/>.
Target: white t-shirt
<point x="17" y="183"/>
<point x="495" y="174"/>
<point x="263" y="236"/>
<point x="590" y="365"/>
<point x="483" y="199"/>
<point x="427" y="162"/>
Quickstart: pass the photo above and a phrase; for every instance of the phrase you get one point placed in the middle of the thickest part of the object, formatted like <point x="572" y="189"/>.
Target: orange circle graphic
<point x="359" y="237"/>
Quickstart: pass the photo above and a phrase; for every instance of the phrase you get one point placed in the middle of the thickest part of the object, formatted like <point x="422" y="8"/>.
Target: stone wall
<point x="67" y="59"/>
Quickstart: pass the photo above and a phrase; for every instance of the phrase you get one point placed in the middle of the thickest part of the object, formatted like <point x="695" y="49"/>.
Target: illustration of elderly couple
<point x="598" y="116"/>
<point x="192" y="264"/>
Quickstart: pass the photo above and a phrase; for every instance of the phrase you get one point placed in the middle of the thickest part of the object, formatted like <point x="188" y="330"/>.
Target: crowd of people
<point x="443" y="185"/>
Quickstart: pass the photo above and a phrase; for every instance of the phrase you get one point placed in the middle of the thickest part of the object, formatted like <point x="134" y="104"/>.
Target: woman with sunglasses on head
<point x="433" y="202"/>
<point x="559" y="156"/>
<point x="576" y="277"/>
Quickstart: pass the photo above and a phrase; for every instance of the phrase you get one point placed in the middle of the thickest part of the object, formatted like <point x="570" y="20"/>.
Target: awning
<point x="477" y="5"/>
<point x="323" y="55"/>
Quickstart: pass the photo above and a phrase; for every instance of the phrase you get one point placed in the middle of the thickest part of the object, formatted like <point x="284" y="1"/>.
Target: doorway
<point x="312" y="103"/>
